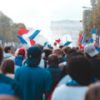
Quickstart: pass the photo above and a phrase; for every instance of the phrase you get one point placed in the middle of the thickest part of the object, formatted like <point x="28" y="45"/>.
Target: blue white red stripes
<point x="27" y="36"/>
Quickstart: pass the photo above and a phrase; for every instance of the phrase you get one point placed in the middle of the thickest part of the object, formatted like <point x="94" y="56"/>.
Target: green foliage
<point x="8" y="29"/>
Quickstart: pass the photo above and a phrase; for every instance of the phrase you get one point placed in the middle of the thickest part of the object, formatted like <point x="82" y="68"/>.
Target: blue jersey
<point x="34" y="82"/>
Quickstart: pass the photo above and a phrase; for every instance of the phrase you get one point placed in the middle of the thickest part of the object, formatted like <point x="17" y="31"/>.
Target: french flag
<point x="81" y="40"/>
<point x="65" y="41"/>
<point x="27" y="36"/>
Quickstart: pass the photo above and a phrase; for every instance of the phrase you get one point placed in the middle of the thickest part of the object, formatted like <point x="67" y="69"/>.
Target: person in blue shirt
<point x="34" y="80"/>
<point x="8" y="86"/>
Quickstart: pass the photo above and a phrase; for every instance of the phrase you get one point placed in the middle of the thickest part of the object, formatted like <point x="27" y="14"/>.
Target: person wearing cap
<point x="34" y="80"/>
<point x="19" y="58"/>
<point x="90" y="51"/>
<point x="93" y="56"/>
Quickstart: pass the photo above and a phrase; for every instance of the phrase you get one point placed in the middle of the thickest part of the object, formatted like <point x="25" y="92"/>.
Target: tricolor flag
<point x="81" y="40"/>
<point x="27" y="36"/>
<point x="64" y="41"/>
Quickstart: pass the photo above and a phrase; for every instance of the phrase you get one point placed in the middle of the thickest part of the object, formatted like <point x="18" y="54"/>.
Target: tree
<point x="8" y="28"/>
<point x="93" y="3"/>
<point x="87" y="22"/>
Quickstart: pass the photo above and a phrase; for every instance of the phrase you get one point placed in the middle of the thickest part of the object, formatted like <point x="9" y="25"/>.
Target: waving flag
<point x="27" y="36"/>
<point x="67" y="43"/>
<point x="22" y="31"/>
<point x="66" y="40"/>
<point x="20" y="34"/>
<point x="81" y="40"/>
<point x="22" y="40"/>
<point x="58" y="41"/>
<point x="36" y="32"/>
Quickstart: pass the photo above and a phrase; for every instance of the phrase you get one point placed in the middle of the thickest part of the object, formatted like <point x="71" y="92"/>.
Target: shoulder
<point x="59" y="92"/>
<point x="9" y="83"/>
<point x="6" y="89"/>
<point x="43" y="70"/>
<point x="65" y="92"/>
<point x="6" y="79"/>
<point x="64" y="80"/>
<point x="20" y="69"/>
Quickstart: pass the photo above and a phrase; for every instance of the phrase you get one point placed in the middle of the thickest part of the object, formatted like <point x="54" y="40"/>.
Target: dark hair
<point x="7" y="49"/>
<point x="79" y="68"/>
<point x="75" y="54"/>
<point x="96" y="67"/>
<point x="1" y="55"/>
<point x="47" y="52"/>
<point x="40" y="46"/>
<point x="8" y="66"/>
<point x="53" y="60"/>
<point x="33" y="56"/>
<point x="66" y="49"/>
<point x="58" y="51"/>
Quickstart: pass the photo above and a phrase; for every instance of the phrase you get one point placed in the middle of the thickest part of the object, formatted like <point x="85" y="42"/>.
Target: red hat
<point x="21" y="51"/>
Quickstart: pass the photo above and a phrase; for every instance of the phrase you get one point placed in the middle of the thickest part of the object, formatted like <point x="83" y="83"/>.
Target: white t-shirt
<point x="65" y="92"/>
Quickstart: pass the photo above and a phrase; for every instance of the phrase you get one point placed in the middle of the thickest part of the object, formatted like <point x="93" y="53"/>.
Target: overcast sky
<point x="39" y="13"/>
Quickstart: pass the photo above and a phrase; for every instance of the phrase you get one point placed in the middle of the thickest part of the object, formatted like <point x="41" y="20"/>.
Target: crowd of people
<point x="47" y="73"/>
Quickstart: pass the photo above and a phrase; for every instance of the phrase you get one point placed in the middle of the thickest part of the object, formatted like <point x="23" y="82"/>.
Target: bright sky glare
<point x="39" y="13"/>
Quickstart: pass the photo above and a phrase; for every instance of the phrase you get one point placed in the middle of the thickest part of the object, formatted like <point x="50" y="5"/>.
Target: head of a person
<point x="47" y="52"/>
<point x="21" y="52"/>
<point x="40" y="46"/>
<point x="53" y="60"/>
<point x="8" y="66"/>
<point x="79" y="68"/>
<point x="58" y="52"/>
<point x="93" y="92"/>
<point x="90" y="51"/>
<point x="75" y="54"/>
<point x="1" y="55"/>
<point x="68" y="51"/>
<point x="7" y="49"/>
<point x="33" y="56"/>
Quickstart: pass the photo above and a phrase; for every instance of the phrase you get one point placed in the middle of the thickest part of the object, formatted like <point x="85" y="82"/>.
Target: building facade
<point x="67" y="27"/>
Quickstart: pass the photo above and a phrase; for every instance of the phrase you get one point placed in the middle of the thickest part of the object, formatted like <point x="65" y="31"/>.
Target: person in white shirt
<point x="79" y="69"/>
